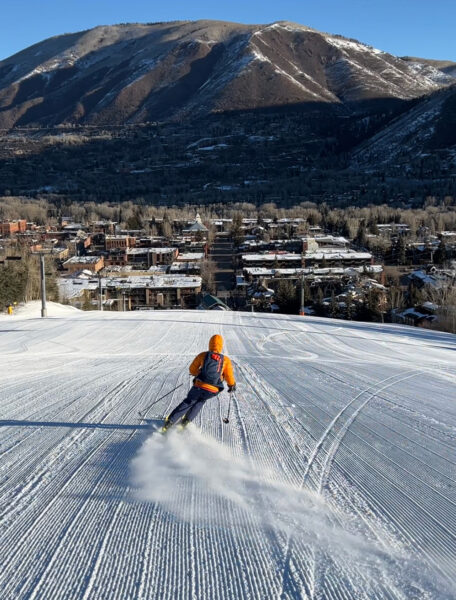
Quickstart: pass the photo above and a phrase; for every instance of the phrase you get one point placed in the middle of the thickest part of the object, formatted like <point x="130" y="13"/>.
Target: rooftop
<point x="270" y="257"/>
<point x="150" y="250"/>
<point x="83" y="260"/>
<point x="333" y="253"/>
<point x="71" y="288"/>
<point x="197" y="225"/>
<point x="190" y="256"/>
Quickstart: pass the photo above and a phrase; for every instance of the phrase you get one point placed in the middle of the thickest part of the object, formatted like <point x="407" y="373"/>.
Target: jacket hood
<point x="216" y="343"/>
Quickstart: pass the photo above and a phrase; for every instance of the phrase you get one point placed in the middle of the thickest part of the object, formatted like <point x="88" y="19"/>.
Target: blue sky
<point x="415" y="27"/>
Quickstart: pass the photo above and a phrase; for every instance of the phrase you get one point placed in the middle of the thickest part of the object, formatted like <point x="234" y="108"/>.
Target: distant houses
<point x="164" y="265"/>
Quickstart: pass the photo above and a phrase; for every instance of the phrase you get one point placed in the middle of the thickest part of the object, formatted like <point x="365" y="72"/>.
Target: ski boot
<point x="183" y="424"/>
<point x="166" y="425"/>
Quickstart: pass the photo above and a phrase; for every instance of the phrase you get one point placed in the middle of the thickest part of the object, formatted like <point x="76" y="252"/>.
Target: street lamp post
<point x="100" y="293"/>
<point x="43" y="287"/>
<point x="301" y="310"/>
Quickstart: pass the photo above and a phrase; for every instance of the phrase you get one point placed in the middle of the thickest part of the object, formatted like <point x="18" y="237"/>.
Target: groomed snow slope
<point x="335" y="477"/>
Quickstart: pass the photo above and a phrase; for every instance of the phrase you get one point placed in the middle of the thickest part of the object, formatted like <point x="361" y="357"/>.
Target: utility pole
<point x="43" y="287"/>
<point x="100" y="293"/>
<point x="301" y="310"/>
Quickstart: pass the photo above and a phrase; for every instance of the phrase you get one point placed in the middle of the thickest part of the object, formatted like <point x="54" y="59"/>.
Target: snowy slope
<point x="412" y="134"/>
<point x="335" y="477"/>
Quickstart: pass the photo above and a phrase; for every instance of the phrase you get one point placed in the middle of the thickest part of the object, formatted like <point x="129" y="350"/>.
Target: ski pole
<point x="161" y="398"/>
<point x="227" y="418"/>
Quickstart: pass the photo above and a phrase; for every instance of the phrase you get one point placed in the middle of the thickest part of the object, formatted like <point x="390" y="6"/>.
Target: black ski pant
<point x="192" y="404"/>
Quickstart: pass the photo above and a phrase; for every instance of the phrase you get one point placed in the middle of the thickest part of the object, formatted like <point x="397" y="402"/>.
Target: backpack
<point x="211" y="371"/>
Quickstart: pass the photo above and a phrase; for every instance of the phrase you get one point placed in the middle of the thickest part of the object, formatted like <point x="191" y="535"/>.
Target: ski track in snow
<point x="335" y="478"/>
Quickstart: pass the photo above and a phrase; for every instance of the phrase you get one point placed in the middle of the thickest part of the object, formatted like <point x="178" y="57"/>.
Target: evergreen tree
<point x="320" y="309"/>
<point x="414" y="295"/>
<point x="441" y="254"/>
<point x="13" y="282"/>
<point x="350" y="307"/>
<point x="372" y="225"/>
<point x="334" y="308"/>
<point x="135" y="221"/>
<point x="286" y="297"/>
<point x="237" y="232"/>
<point x="344" y="228"/>
<point x="361" y="237"/>
<point x="401" y="251"/>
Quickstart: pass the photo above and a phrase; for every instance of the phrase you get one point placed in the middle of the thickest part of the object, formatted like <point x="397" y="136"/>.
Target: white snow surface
<point x="335" y="477"/>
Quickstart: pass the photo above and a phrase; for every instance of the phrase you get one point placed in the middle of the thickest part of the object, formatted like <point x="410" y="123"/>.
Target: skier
<point x="210" y="369"/>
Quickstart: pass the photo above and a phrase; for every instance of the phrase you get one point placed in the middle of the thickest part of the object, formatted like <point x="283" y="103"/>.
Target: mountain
<point x="333" y="479"/>
<point x="146" y="72"/>
<point x="428" y="127"/>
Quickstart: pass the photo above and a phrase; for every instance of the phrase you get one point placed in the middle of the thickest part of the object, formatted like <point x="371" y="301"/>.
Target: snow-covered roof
<point x="270" y="257"/>
<point x="252" y="242"/>
<point x="424" y="277"/>
<point x="261" y="271"/>
<point x="83" y="260"/>
<point x="177" y="267"/>
<point x="71" y="288"/>
<point x="190" y="256"/>
<point x="334" y="254"/>
<point x="265" y="271"/>
<point x="416" y="314"/>
<point x="339" y="240"/>
<point x="83" y="274"/>
<point x="73" y="226"/>
<point x="154" y="281"/>
<point x="150" y="250"/>
<point x="197" y="225"/>
<point x="287" y="220"/>
<point x="430" y="305"/>
<point x="158" y="269"/>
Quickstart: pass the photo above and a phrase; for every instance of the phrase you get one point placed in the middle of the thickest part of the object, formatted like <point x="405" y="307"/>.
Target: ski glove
<point x="231" y="388"/>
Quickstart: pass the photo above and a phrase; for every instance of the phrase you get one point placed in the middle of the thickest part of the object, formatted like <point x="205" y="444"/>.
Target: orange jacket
<point x="215" y="345"/>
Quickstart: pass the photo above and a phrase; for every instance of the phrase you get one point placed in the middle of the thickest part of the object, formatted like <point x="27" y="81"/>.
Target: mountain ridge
<point x="131" y="73"/>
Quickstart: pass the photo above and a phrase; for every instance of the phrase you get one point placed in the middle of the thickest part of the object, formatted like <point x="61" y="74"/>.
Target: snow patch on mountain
<point x="344" y="44"/>
<point x="50" y="67"/>
<point x="431" y="73"/>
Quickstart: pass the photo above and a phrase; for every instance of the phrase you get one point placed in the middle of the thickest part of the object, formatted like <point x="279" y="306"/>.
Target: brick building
<point x="150" y="257"/>
<point x="119" y="242"/>
<point x="79" y="263"/>
<point x="9" y="228"/>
